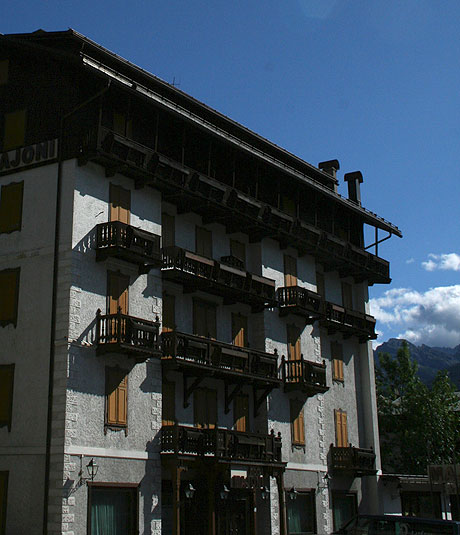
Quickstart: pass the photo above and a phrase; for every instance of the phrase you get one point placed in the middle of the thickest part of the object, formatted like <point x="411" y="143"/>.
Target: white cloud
<point x="431" y="317"/>
<point x="450" y="261"/>
<point x="410" y="260"/>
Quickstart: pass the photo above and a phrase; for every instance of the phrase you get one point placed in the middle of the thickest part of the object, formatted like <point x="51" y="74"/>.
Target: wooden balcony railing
<point x="223" y="444"/>
<point x="219" y="278"/>
<point x="299" y="301"/>
<point x="349" y="322"/>
<point x="218" y="202"/>
<point x="129" y="243"/>
<point x="356" y="461"/>
<point x="125" y="334"/>
<point x="208" y="356"/>
<point x="304" y="376"/>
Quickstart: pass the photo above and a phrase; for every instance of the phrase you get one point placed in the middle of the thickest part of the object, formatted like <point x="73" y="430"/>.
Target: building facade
<point x="184" y="323"/>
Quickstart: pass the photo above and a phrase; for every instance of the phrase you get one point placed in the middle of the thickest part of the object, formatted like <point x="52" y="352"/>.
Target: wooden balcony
<point x="224" y="445"/>
<point x="299" y="301"/>
<point x="348" y="322"/>
<point x="352" y="461"/>
<point x="199" y="356"/>
<point x="196" y="272"/>
<point x="304" y="376"/>
<point x="119" y="240"/>
<point x="218" y="202"/>
<point x="120" y="333"/>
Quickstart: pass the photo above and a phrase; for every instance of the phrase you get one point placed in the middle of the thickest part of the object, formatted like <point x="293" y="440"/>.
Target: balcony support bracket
<point x="188" y="389"/>
<point x="231" y="397"/>
<point x="258" y="400"/>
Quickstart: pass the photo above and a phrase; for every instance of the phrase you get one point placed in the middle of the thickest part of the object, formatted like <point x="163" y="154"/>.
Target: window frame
<point x="14" y="318"/>
<point x="307" y="493"/>
<point x="18" y="223"/>
<point x="22" y="114"/>
<point x="8" y="421"/>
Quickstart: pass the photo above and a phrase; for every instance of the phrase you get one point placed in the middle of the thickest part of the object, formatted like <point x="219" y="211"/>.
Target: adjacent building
<point x="184" y="323"/>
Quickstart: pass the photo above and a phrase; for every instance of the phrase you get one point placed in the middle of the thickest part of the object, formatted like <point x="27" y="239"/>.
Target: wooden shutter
<point x="341" y="431"/>
<point x="168" y="230"/>
<point x="204" y="319"/>
<point x="347" y="296"/>
<point x="203" y="242"/>
<point x="11" y="207"/>
<point x="239" y="330"/>
<point x="6" y="394"/>
<point x="293" y="342"/>
<point x="241" y="413"/>
<point x="122" y="125"/>
<point x="3" y="500"/>
<point x="168" y="404"/>
<point x="169" y="313"/>
<point x="205" y="408"/>
<point x="9" y="293"/>
<point x="211" y="405"/>
<point x="337" y="361"/>
<point x="290" y="271"/>
<point x="320" y="287"/>
<point x="238" y="250"/>
<point x="120" y="204"/>
<point x="15" y="130"/>
<point x="297" y="423"/>
<point x="116" y="397"/>
<point x="117" y="291"/>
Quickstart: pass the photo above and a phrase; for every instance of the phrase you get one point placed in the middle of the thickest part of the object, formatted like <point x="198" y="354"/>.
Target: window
<point x="347" y="295"/>
<point x="168" y="230"/>
<point x="6" y="394"/>
<point x="9" y="295"/>
<point x="122" y="125"/>
<point x="11" y="207"/>
<point x="120" y="204"/>
<point x="424" y="504"/>
<point x="169" y="313"/>
<point x="204" y="319"/>
<point x="168" y="403"/>
<point x="297" y="422"/>
<point x="337" y="361"/>
<point x="293" y="336"/>
<point x="238" y="250"/>
<point x="15" y="130"/>
<point x="341" y="430"/>
<point x="4" y="67"/>
<point x="290" y="270"/>
<point x="301" y="513"/>
<point x="239" y="330"/>
<point x="203" y="243"/>
<point x="117" y="292"/>
<point x="113" y="509"/>
<point x="344" y="508"/>
<point x="3" y="500"/>
<point x="205" y="408"/>
<point x="241" y="413"/>
<point x="116" y="390"/>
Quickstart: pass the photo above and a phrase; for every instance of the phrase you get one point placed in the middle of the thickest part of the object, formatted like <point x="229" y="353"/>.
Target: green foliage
<point x="418" y="424"/>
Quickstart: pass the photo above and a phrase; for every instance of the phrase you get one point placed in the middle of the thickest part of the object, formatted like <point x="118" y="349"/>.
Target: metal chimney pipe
<point x="354" y="180"/>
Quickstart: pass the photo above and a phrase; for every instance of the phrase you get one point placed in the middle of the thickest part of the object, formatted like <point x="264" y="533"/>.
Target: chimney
<point x="331" y="167"/>
<point x="354" y="180"/>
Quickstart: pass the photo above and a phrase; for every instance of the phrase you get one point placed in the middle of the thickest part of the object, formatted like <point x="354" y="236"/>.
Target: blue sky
<point x="374" y="84"/>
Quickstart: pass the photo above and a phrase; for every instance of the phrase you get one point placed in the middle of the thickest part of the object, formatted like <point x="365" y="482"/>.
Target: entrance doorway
<point x="233" y="516"/>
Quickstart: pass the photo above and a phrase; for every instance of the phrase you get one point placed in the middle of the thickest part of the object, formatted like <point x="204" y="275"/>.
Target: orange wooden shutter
<point x="168" y="411"/>
<point x="11" y="207"/>
<point x="239" y="330"/>
<point x="15" y="130"/>
<point x="341" y="431"/>
<point x="347" y="296"/>
<point x="169" y="313"/>
<point x="241" y="413"/>
<point x="120" y="204"/>
<point x="211" y="405"/>
<point x="297" y="423"/>
<point x="337" y="361"/>
<point x="290" y="271"/>
<point x="9" y="287"/>
<point x="168" y="230"/>
<point x="238" y="250"/>
<point x="117" y="289"/>
<point x="117" y="396"/>
<point x="6" y="393"/>
<point x="203" y="242"/>
<point x="293" y="342"/>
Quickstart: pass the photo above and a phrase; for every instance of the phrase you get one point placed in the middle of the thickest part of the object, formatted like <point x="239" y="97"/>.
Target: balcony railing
<point x="127" y="334"/>
<point x="208" y="356"/>
<point x="349" y="322"/>
<point x="304" y="376"/>
<point x="208" y="275"/>
<point x="223" y="444"/>
<point x="215" y="201"/>
<point x="299" y="301"/>
<point x="129" y="243"/>
<point x="356" y="461"/>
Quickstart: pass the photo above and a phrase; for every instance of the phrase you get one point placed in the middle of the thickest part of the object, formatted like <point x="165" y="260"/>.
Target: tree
<point x="418" y="424"/>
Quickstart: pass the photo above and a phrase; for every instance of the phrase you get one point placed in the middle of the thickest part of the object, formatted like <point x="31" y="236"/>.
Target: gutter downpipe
<point x="54" y="301"/>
